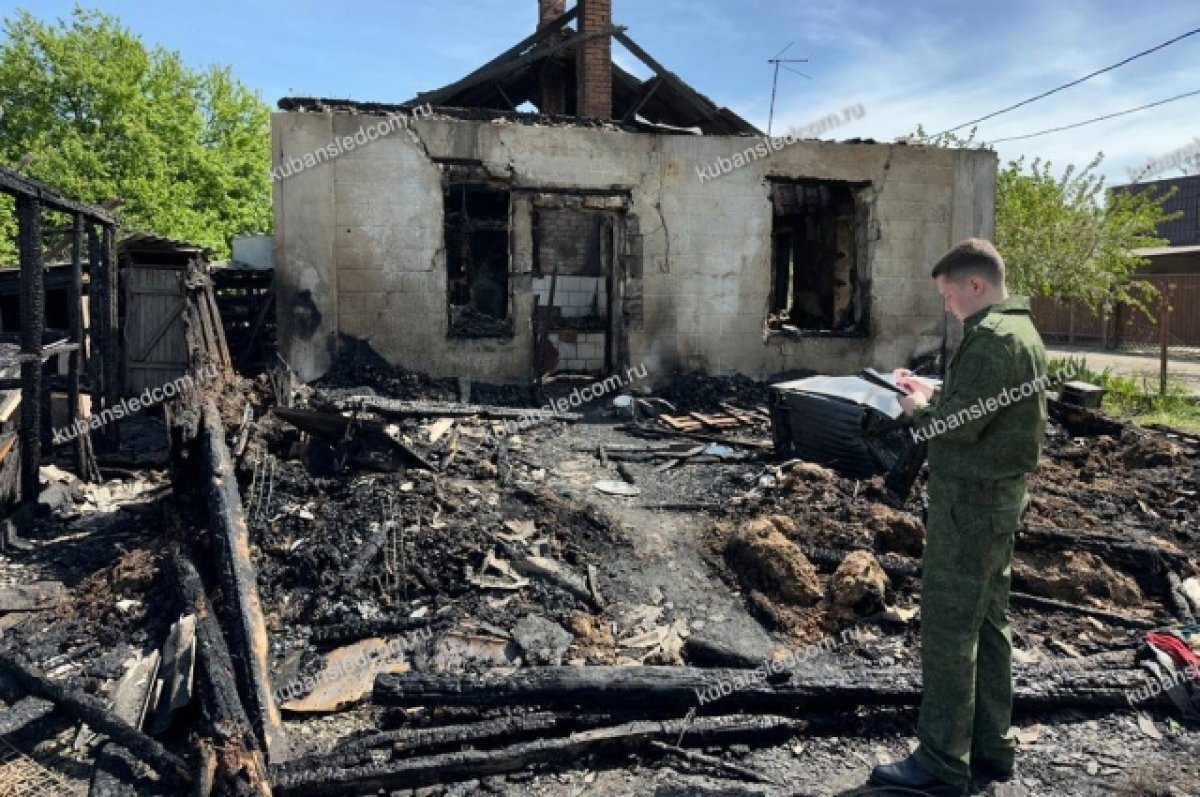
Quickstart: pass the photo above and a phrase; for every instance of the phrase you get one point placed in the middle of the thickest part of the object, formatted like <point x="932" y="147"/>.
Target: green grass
<point x="1135" y="399"/>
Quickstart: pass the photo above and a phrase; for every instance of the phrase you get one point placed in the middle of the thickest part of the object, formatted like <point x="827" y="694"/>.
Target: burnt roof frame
<point x="17" y="185"/>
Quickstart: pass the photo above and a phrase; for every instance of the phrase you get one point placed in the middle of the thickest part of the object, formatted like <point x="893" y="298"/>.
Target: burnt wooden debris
<point x="682" y="688"/>
<point x="423" y="771"/>
<point x="352" y="435"/>
<point x="202" y="458"/>
<point x="240" y="767"/>
<point x="443" y="722"/>
<point x="91" y="710"/>
<point x="34" y="200"/>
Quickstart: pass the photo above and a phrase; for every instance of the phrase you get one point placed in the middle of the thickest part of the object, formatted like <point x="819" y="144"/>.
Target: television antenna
<point x="782" y="63"/>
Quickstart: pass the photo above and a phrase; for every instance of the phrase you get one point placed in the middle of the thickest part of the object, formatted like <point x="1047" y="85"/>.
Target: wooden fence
<point x="1072" y="322"/>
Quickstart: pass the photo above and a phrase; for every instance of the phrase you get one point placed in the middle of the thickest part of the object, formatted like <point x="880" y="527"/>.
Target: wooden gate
<point x="155" y="346"/>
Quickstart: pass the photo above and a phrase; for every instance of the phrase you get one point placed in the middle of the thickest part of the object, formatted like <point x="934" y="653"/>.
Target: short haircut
<point x="974" y="257"/>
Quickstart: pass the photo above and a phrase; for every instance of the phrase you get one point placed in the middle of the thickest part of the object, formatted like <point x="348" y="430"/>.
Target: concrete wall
<point x="359" y="243"/>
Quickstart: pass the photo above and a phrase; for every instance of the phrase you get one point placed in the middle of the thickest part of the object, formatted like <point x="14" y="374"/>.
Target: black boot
<point x="909" y="774"/>
<point x="984" y="773"/>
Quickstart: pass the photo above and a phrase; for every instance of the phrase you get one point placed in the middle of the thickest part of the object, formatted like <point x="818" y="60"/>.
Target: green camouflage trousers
<point x="966" y="641"/>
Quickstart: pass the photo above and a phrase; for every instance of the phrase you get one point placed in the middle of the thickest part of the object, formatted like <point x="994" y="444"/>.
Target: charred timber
<point x="240" y="767"/>
<point x="684" y="688"/>
<point x="434" y="409"/>
<point x="238" y="581"/>
<point x="92" y="710"/>
<point x="33" y="322"/>
<point x="417" y="772"/>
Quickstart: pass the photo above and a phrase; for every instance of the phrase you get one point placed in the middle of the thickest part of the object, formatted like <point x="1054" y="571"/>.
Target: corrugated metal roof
<point x="1184" y="231"/>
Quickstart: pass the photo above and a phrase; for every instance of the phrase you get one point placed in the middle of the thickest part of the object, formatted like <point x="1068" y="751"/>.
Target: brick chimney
<point x="552" y="82"/>
<point x="594" y="65"/>
<point x="550" y="10"/>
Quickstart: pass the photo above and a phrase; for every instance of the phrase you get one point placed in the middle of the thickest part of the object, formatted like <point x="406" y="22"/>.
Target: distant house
<point x="1182" y="254"/>
<point x="1174" y="270"/>
<point x="625" y="222"/>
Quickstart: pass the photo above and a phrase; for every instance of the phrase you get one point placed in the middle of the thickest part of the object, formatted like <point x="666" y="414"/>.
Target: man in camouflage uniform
<point x="985" y="430"/>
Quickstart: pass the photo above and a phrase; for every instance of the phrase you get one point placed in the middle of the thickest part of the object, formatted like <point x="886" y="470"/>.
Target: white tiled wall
<point x="576" y="296"/>
<point x="585" y="353"/>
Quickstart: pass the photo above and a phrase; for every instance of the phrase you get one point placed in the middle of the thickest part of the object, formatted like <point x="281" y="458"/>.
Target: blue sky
<point x="933" y="62"/>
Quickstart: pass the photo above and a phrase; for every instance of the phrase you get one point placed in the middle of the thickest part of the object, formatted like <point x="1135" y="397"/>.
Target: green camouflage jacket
<point x="989" y="419"/>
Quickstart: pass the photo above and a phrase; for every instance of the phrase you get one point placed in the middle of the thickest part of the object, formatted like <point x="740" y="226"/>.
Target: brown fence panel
<point x="1072" y="322"/>
<point x="1069" y="322"/>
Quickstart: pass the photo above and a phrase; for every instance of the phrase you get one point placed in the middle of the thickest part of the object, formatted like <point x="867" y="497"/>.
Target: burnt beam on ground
<point x="92" y="710"/>
<point x="240" y="767"/>
<point x="684" y="688"/>
<point x="236" y="574"/>
<point x="412" y="773"/>
<point x="439" y="409"/>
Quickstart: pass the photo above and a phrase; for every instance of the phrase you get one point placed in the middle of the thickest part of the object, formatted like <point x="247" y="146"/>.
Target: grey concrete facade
<point x="360" y="246"/>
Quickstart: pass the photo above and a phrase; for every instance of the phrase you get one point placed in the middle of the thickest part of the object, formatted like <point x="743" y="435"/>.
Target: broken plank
<point x="651" y="431"/>
<point x="559" y="574"/>
<point x="177" y="674"/>
<point x="408" y="739"/>
<point x="92" y="711"/>
<point x="680" y="423"/>
<point x="717" y="421"/>
<point x="692" y="757"/>
<point x="131" y="697"/>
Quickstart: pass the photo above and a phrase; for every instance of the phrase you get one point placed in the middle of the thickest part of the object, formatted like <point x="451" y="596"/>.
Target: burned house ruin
<point x="603" y="224"/>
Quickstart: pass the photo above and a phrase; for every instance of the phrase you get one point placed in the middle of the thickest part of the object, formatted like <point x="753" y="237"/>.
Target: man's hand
<point x="912" y="403"/>
<point x="915" y="385"/>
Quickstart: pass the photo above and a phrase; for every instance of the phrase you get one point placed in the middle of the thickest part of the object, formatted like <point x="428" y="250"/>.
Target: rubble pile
<point x="449" y="599"/>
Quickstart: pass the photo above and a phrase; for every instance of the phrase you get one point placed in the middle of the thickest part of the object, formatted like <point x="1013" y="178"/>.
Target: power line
<point x="1097" y="119"/>
<point x="1073" y="82"/>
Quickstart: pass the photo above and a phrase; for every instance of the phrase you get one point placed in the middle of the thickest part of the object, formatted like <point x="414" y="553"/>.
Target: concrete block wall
<point x="579" y="351"/>
<point x="360" y="240"/>
<point x="576" y="297"/>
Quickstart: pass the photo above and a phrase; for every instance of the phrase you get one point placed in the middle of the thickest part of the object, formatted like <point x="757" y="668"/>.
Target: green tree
<point x="99" y="116"/>
<point x="1065" y="236"/>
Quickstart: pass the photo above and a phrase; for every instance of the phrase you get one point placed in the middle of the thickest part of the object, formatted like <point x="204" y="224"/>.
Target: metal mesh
<point x="21" y="776"/>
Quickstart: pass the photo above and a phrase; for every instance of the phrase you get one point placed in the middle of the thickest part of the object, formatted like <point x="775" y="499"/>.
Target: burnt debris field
<point x="367" y="586"/>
